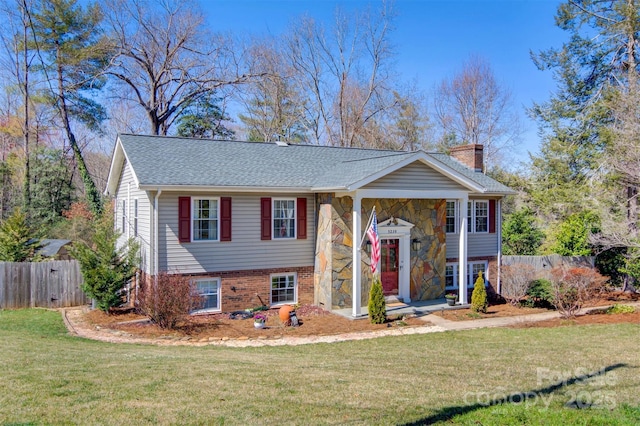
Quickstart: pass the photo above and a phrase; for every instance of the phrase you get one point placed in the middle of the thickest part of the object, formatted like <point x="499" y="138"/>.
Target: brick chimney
<point x="470" y="155"/>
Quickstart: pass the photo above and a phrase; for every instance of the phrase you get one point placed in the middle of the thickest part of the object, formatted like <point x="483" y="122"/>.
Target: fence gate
<point x="53" y="284"/>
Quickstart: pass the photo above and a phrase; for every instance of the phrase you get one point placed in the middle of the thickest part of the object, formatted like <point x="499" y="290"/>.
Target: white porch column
<point x="356" y="292"/>
<point x="462" y="255"/>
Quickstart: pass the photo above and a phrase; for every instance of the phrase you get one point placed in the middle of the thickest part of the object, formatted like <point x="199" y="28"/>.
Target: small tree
<point x="479" y="296"/>
<point x="515" y="282"/>
<point x="105" y="267"/>
<point x="571" y="288"/>
<point x="377" y="305"/>
<point x="520" y="235"/>
<point x="166" y="299"/>
<point x="17" y="241"/>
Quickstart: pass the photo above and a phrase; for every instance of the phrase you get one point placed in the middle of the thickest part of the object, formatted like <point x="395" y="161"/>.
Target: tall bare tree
<point x="472" y="107"/>
<point x="274" y="106"/>
<point x="346" y="70"/>
<point x="167" y="59"/>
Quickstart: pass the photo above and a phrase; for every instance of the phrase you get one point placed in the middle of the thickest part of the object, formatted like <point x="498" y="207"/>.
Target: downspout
<point x="499" y="231"/>
<point x="154" y="250"/>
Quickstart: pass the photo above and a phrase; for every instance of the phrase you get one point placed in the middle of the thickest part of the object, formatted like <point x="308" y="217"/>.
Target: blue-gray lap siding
<point x="245" y="251"/>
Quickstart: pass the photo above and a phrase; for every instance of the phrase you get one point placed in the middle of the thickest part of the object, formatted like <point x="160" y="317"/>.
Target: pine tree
<point x="377" y="305"/>
<point x="479" y="296"/>
<point x="74" y="56"/>
<point x="105" y="267"/>
<point x="17" y="241"/>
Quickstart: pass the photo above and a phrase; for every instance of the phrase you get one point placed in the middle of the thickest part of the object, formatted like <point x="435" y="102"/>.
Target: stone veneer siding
<point x="333" y="273"/>
<point x="253" y="287"/>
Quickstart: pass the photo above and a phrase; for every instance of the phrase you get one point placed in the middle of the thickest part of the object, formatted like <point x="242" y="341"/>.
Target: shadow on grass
<point x="448" y="413"/>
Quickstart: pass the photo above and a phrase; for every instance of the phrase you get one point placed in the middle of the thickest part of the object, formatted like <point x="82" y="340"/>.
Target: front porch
<point x="418" y="308"/>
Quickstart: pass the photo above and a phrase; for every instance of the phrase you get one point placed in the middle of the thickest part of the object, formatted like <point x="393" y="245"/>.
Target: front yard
<point x="487" y="376"/>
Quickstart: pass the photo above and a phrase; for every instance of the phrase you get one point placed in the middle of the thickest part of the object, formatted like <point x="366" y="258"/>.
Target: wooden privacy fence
<point x="544" y="264"/>
<point x="53" y="284"/>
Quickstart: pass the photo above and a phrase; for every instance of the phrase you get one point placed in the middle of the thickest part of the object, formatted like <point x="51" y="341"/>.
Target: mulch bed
<point x="313" y="321"/>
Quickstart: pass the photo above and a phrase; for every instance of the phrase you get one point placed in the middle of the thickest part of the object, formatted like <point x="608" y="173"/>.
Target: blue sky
<point x="433" y="38"/>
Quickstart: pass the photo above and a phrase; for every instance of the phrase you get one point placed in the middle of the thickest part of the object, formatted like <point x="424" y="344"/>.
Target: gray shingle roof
<point x="173" y="161"/>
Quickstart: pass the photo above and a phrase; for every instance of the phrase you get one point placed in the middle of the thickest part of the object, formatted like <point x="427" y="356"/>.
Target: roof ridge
<point x="291" y="144"/>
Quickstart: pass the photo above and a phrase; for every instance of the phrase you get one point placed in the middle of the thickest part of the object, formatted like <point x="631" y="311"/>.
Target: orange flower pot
<point x="285" y="312"/>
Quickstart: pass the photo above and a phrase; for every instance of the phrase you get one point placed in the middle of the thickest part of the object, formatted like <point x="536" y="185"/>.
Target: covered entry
<point x="395" y="257"/>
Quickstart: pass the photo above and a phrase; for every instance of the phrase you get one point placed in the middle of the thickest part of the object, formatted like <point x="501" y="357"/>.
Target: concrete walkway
<point x="74" y="322"/>
<point x="448" y="325"/>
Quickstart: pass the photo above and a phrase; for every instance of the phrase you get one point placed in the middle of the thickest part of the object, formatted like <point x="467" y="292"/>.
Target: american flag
<point x="372" y="233"/>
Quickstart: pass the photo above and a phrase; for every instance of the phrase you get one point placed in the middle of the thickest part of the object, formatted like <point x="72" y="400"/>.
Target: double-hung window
<point x="209" y="290"/>
<point x="205" y="219"/>
<point x="478" y="216"/>
<point x="283" y="288"/>
<point x="473" y="269"/>
<point x="284" y="218"/>
<point x="450" y="223"/>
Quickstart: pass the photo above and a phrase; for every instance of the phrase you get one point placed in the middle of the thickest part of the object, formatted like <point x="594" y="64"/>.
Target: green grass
<point x="471" y="377"/>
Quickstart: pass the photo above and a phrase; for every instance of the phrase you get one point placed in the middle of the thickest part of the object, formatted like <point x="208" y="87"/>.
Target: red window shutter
<point x="225" y="219"/>
<point x="492" y="216"/>
<point x="265" y="218"/>
<point x="301" y="209"/>
<point x="184" y="219"/>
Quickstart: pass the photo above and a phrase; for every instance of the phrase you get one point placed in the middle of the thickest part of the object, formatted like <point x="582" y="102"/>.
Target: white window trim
<point x="219" y="290"/>
<point x="134" y="222"/>
<point x="123" y="218"/>
<point x="273" y="219"/>
<point x="471" y="221"/>
<point x="470" y="278"/>
<point x="192" y="219"/>
<point x="456" y="216"/>
<point x="295" y="288"/>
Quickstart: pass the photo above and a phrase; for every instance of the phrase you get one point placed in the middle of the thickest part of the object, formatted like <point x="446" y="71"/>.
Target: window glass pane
<point x="283" y="289"/>
<point x="481" y="216"/>
<point x="205" y="219"/>
<point x="209" y="291"/>
<point x="451" y="217"/>
<point x="449" y="277"/>
<point x="469" y="217"/>
<point x="476" y="268"/>
<point x="284" y="222"/>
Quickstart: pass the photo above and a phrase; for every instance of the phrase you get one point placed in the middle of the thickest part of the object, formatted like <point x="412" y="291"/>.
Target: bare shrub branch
<point x="167" y="299"/>
<point x="572" y="287"/>
<point x="515" y="282"/>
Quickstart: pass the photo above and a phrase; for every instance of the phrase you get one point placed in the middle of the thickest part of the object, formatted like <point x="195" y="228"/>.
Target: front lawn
<point x="488" y="376"/>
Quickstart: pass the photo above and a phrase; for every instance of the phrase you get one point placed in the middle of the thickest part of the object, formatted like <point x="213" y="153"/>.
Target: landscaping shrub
<point x="539" y="294"/>
<point x="479" y="295"/>
<point x="167" y="299"/>
<point x="571" y="288"/>
<point x="377" y="305"/>
<point x="621" y="309"/>
<point x="515" y="282"/>
<point x="106" y="269"/>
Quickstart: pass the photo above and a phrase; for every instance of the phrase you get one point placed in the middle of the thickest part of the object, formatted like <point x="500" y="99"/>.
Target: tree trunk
<point x="27" y="173"/>
<point x="91" y="192"/>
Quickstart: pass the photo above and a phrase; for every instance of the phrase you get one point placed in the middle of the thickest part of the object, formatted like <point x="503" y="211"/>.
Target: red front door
<point x="389" y="267"/>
